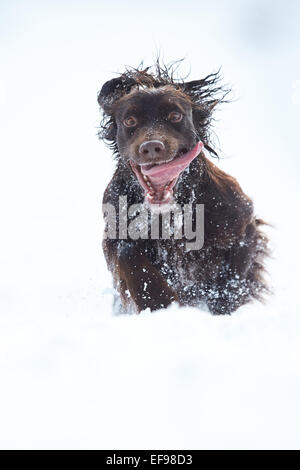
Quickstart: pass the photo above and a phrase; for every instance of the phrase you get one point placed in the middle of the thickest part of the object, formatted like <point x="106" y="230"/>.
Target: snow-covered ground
<point x="73" y="375"/>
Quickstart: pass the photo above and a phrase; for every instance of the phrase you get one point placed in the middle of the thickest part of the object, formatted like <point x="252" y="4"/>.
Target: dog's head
<point x="158" y="126"/>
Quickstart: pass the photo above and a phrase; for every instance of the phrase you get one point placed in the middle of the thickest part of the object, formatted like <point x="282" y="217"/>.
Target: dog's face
<point x="156" y="136"/>
<point x="154" y="126"/>
<point x="158" y="125"/>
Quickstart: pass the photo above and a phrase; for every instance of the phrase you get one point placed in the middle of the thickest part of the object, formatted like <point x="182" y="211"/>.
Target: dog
<point x="158" y="128"/>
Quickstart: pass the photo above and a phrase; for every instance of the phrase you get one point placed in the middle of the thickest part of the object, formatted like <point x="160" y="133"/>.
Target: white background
<point x="72" y="374"/>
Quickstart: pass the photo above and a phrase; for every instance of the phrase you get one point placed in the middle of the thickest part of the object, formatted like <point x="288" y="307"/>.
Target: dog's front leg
<point x="141" y="282"/>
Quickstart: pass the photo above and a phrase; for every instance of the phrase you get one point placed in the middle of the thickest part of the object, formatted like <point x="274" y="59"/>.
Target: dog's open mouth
<point x="158" y="180"/>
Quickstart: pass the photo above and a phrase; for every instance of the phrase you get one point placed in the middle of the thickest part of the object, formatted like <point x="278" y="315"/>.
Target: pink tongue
<point x="160" y="175"/>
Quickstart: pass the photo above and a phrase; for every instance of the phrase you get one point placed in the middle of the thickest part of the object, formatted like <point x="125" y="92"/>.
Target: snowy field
<point x="73" y="375"/>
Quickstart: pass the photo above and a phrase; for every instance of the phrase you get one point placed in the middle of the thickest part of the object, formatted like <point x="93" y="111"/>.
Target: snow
<point x="73" y="374"/>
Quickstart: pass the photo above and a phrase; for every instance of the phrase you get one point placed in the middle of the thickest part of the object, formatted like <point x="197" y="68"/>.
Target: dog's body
<point x="158" y="129"/>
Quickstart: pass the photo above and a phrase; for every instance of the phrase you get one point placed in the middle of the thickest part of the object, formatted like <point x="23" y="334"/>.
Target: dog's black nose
<point x="153" y="149"/>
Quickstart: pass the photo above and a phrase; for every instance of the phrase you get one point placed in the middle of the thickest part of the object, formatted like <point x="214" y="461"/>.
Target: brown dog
<point x="158" y="128"/>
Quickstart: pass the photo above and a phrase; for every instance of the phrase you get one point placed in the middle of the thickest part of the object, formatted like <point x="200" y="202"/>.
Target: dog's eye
<point x="130" y="121"/>
<point x="174" y="116"/>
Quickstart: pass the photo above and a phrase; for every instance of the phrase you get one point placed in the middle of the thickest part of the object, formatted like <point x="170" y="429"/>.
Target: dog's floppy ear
<point x="200" y="91"/>
<point x="201" y="120"/>
<point x="113" y="90"/>
<point x="207" y="91"/>
<point x="190" y="86"/>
